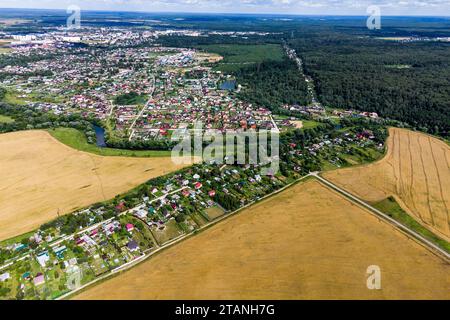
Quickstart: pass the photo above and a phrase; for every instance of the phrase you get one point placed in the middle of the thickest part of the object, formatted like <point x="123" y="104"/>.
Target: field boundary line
<point x="174" y="241"/>
<point x="417" y="237"/>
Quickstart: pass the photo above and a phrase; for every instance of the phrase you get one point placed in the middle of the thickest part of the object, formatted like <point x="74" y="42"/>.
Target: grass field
<point x="77" y="140"/>
<point x="6" y="119"/>
<point x="40" y="176"/>
<point x="171" y="231"/>
<point x="391" y="208"/>
<point x="11" y="98"/>
<point x="415" y="171"/>
<point x="5" y="50"/>
<point x="305" y="243"/>
<point x="309" y="124"/>
<point x="236" y="56"/>
<point x="214" y="212"/>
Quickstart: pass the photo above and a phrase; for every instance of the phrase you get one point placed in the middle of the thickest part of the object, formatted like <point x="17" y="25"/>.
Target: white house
<point x="4" y="277"/>
<point x="43" y="258"/>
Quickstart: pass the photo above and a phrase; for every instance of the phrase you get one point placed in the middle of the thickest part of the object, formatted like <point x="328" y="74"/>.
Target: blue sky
<point x="340" y="7"/>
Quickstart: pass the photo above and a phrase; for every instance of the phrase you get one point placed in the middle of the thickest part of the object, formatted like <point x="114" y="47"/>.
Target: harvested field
<point x="13" y="21"/>
<point x="415" y="170"/>
<point x="40" y="176"/>
<point x="304" y="243"/>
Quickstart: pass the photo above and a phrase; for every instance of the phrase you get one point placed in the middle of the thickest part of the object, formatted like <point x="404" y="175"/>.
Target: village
<point x="144" y="93"/>
<point x="138" y="92"/>
<point x="79" y="248"/>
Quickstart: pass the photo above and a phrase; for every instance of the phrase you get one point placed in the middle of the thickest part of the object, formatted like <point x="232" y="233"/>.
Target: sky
<point x="299" y="7"/>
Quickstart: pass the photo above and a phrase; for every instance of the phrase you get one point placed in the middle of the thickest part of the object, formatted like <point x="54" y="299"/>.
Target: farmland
<point x="415" y="171"/>
<point x="236" y="56"/>
<point x="305" y="243"/>
<point x="42" y="178"/>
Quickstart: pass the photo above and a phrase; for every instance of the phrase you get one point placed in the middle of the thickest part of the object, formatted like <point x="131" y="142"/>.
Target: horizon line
<point x="234" y="13"/>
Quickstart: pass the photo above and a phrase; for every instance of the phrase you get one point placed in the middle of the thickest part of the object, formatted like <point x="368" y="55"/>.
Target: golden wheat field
<point x="415" y="170"/>
<point x="41" y="177"/>
<point x="304" y="243"/>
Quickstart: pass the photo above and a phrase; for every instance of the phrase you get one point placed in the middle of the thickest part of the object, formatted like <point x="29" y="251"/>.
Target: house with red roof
<point x="129" y="227"/>
<point x="120" y="207"/>
<point x="198" y="185"/>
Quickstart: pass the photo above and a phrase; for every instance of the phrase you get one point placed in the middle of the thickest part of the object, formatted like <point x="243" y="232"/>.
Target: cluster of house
<point x="181" y="59"/>
<point x="116" y="241"/>
<point x="46" y="261"/>
<point x="204" y="33"/>
<point x="95" y="78"/>
<point x="87" y="80"/>
<point x="180" y="100"/>
<point x="360" y="139"/>
<point x="192" y="193"/>
<point x="310" y="110"/>
<point x="318" y="111"/>
<point x="60" y="36"/>
<point x="354" y="114"/>
<point x="179" y="88"/>
<point x="96" y="242"/>
<point x="113" y="242"/>
<point x="104" y="246"/>
<point x="124" y="116"/>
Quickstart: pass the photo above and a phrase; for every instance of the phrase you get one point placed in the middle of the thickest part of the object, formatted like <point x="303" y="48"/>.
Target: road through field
<point x="415" y="170"/>
<point x="41" y="178"/>
<point x="307" y="242"/>
<point x="388" y="219"/>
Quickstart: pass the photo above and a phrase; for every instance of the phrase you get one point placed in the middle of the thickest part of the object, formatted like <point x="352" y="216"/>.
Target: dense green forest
<point x="409" y="82"/>
<point x="272" y="84"/>
<point x="268" y="77"/>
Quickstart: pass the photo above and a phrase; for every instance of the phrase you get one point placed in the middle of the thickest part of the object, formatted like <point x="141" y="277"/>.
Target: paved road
<point x="382" y="215"/>
<point x="111" y="109"/>
<point x="143" y="109"/>
<point x="310" y="82"/>
<point x="274" y="124"/>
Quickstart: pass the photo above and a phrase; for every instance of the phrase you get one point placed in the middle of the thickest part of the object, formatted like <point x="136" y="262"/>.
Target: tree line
<point x="409" y="82"/>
